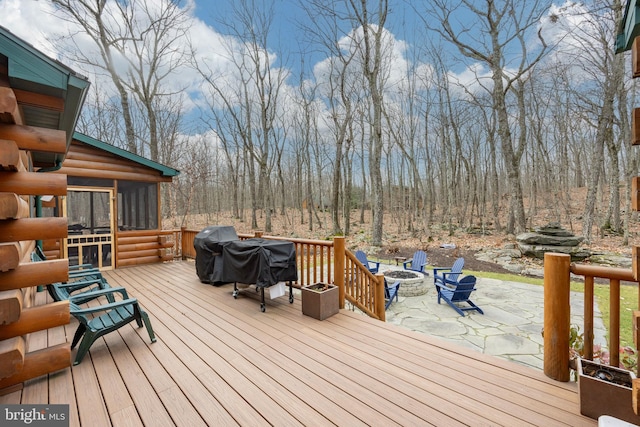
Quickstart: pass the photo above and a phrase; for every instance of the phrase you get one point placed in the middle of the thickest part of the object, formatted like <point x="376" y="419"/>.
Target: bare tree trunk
<point x="372" y="63"/>
<point x="612" y="70"/>
<point x="504" y="26"/>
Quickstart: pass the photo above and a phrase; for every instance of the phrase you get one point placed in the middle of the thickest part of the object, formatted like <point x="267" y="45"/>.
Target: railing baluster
<point x="614" y="322"/>
<point x="588" y="317"/>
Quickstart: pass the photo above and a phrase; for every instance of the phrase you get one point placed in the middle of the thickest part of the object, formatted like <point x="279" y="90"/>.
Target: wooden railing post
<point x="338" y="265"/>
<point x="182" y="243"/>
<point x="556" y="315"/>
<point x="379" y="297"/>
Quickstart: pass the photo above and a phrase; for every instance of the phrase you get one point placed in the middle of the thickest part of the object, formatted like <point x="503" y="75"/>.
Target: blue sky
<point x="208" y="35"/>
<point x="288" y="38"/>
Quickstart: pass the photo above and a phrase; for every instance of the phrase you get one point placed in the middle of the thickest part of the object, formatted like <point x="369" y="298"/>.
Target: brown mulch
<point x="444" y="257"/>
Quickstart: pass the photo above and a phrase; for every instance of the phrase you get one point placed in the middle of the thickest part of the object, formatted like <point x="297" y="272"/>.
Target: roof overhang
<point x="629" y="27"/>
<point x="31" y="72"/>
<point x="162" y="169"/>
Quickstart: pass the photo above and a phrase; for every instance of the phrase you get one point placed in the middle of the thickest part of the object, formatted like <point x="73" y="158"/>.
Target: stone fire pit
<point x="412" y="283"/>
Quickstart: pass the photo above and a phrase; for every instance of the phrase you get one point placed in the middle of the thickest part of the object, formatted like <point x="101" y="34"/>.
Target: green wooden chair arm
<point x="100" y="292"/>
<point x="80" y="273"/>
<point x="105" y="307"/>
<point x="83" y="273"/>
<point x="82" y="266"/>
<point x="78" y="283"/>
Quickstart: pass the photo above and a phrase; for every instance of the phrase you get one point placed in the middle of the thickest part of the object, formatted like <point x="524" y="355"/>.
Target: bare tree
<point x="372" y="23"/>
<point x="148" y="39"/>
<point x="603" y="74"/>
<point x="364" y="56"/>
<point x="497" y="27"/>
<point x="251" y="97"/>
<point x="155" y="52"/>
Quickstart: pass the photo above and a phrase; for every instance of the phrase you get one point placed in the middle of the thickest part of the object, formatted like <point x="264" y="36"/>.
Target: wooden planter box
<point x="602" y="397"/>
<point x="320" y="304"/>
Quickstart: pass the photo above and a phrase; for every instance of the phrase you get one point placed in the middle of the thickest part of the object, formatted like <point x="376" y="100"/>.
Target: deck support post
<point x="339" y="261"/>
<point x="557" y="315"/>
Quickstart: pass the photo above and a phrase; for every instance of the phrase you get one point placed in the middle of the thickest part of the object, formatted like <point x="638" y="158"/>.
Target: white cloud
<point x="474" y="79"/>
<point x="32" y="21"/>
<point x="578" y="38"/>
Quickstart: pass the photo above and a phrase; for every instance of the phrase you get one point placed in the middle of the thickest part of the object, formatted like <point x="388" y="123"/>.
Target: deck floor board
<point x="220" y="361"/>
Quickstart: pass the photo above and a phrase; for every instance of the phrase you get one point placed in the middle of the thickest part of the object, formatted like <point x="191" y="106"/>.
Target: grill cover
<point x="208" y="244"/>
<point x="259" y="261"/>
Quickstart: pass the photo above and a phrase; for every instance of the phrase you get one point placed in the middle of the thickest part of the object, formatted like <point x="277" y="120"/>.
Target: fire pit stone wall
<point x="412" y="283"/>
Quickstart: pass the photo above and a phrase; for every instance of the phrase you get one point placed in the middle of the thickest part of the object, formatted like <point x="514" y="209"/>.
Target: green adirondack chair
<point x="82" y="291"/>
<point x="114" y="316"/>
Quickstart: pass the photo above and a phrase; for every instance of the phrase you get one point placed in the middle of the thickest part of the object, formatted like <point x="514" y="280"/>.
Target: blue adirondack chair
<point x="362" y="257"/>
<point x="115" y="315"/>
<point x="448" y="275"/>
<point x="390" y="292"/>
<point x="417" y="263"/>
<point x="458" y="294"/>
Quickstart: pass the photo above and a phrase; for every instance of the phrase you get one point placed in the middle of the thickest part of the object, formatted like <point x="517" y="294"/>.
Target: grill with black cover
<point x="208" y="244"/>
<point x="261" y="262"/>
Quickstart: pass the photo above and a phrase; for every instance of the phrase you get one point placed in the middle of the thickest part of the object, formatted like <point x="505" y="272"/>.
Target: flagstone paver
<point x="510" y="327"/>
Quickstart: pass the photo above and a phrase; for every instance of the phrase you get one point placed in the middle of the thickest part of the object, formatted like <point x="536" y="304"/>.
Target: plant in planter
<point x="628" y="355"/>
<point x="605" y="390"/>
<point x="576" y="348"/>
<point x="320" y="300"/>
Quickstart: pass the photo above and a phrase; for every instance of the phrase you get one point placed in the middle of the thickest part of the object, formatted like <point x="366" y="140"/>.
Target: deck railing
<point x="557" y="277"/>
<point x="186" y="243"/>
<point x="363" y="289"/>
<point x="322" y="261"/>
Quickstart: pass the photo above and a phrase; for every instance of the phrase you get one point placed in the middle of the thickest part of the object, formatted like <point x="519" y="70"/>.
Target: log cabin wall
<point x="90" y="161"/>
<point x="85" y="161"/>
<point x="40" y="100"/>
<point x="18" y="234"/>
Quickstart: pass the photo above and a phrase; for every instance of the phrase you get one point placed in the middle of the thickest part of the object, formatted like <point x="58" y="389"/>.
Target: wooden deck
<point x="220" y="361"/>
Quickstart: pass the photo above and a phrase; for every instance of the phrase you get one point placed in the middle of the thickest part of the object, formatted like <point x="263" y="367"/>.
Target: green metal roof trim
<point x="629" y="27"/>
<point x="33" y="71"/>
<point x="165" y="170"/>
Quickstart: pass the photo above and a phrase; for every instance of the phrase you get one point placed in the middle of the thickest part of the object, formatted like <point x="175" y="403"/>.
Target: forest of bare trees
<point x="497" y="110"/>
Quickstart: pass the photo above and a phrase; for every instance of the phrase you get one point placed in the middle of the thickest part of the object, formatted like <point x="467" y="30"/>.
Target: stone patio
<point x="510" y="327"/>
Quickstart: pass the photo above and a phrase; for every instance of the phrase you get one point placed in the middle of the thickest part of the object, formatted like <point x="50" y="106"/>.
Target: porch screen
<point x="137" y="205"/>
